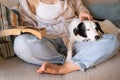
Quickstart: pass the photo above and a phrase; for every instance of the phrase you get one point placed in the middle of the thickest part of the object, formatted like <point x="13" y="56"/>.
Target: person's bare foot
<point x="58" y="69"/>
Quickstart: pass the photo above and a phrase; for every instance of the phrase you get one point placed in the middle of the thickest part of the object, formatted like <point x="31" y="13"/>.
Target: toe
<point x="42" y="68"/>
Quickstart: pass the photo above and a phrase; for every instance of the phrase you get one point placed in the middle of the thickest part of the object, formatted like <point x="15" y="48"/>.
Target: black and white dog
<point x="82" y="31"/>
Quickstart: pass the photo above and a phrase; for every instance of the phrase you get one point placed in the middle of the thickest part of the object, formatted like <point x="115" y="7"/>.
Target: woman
<point x="55" y="16"/>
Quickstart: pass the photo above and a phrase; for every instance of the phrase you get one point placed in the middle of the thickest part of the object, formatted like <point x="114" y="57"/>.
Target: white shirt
<point x="48" y="11"/>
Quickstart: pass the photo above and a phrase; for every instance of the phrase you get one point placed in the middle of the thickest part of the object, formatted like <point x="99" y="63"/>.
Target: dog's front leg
<point x="70" y="48"/>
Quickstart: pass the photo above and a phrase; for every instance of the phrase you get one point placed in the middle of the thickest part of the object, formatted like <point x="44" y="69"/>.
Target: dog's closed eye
<point x="87" y="29"/>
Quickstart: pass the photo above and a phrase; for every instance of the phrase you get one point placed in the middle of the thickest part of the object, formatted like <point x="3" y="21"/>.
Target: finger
<point x="81" y="19"/>
<point x="91" y="18"/>
<point x="88" y="17"/>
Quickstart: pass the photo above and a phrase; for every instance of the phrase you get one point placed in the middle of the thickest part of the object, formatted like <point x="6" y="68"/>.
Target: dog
<point x="82" y="31"/>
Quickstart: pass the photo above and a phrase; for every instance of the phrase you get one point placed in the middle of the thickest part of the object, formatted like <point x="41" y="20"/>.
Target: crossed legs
<point x="91" y="55"/>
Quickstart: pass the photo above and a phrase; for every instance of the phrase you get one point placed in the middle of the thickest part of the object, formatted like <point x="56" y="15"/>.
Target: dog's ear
<point x="98" y="28"/>
<point x="75" y="31"/>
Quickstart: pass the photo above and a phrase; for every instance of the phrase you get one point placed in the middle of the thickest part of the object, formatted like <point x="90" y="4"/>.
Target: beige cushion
<point x="9" y="3"/>
<point x="7" y="19"/>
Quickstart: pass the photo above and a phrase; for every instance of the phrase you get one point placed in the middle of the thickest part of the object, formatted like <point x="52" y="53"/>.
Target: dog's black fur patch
<point x="80" y="30"/>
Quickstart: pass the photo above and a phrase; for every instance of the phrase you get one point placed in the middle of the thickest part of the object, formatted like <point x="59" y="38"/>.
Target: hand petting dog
<point x="83" y="15"/>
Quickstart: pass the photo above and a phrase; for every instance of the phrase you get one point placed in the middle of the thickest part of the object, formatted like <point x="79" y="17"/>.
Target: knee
<point x="20" y="38"/>
<point x="24" y="43"/>
<point x="21" y="42"/>
<point x="112" y="42"/>
<point x="112" y="39"/>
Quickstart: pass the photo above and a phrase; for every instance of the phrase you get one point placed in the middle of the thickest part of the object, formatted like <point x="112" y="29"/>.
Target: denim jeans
<point x="87" y="54"/>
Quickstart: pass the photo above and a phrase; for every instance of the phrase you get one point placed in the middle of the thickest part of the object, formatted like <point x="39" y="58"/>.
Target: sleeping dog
<point x="82" y="31"/>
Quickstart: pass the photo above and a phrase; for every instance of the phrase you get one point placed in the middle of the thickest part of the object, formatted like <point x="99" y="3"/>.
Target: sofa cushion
<point x="105" y="9"/>
<point x="7" y="18"/>
<point x="9" y="3"/>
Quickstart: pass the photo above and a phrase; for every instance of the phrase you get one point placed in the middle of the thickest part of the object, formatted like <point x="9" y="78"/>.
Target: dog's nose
<point x="97" y="37"/>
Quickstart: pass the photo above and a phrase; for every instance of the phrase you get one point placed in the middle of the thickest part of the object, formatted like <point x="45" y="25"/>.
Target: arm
<point x="27" y="15"/>
<point x="81" y="10"/>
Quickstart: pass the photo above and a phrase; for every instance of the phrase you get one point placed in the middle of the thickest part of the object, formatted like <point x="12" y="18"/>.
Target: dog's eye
<point x="88" y="29"/>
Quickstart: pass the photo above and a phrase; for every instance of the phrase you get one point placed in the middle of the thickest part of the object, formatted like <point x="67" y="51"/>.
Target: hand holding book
<point x="17" y="30"/>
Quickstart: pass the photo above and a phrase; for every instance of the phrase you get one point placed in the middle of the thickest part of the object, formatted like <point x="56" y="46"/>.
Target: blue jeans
<point x="87" y="54"/>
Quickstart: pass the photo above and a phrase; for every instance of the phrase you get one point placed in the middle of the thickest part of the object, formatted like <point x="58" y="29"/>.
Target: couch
<point x="13" y="68"/>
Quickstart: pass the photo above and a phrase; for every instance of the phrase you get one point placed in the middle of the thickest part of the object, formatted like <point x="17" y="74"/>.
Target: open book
<point x="17" y="30"/>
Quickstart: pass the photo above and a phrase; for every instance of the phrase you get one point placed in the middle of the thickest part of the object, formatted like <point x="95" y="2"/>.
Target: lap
<point x="28" y="47"/>
<point x="94" y="52"/>
<point x="36" y="51"/>
<point x="108" y="41"/>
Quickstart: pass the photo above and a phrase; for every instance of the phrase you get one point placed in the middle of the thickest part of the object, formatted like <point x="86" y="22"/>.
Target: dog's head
<point x="88" y="30"/>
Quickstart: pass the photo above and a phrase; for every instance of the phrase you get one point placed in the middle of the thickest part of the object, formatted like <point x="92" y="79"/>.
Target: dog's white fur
<point x="90" y="31"/>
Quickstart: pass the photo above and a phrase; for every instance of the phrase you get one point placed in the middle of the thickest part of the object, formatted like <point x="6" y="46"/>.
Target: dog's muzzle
<point x="97" y="37"/>
<point x="86" y="40"/>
